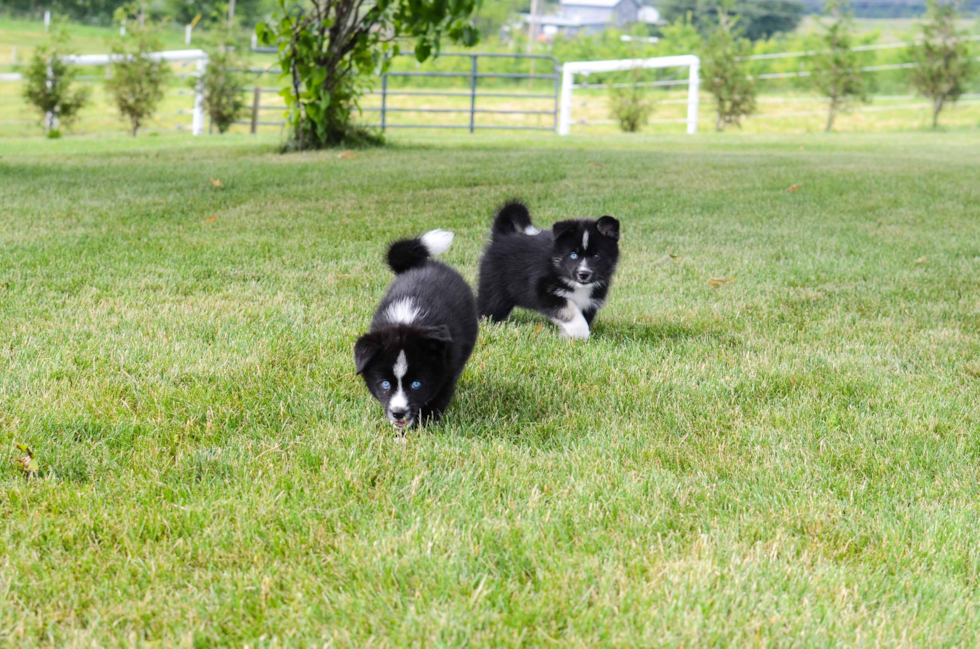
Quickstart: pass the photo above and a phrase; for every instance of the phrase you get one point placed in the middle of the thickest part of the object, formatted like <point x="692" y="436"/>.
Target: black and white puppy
<point x="563" y="273"/>
<point x="421" y="335"/>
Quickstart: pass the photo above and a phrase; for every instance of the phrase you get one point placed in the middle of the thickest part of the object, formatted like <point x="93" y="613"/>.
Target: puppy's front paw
<point x="575" y="330"/>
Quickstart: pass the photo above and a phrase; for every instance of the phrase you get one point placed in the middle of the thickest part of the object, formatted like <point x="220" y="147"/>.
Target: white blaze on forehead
<point x="401" y="366"/>
<point x="403" y="311"/>
<point x="399" y="401"/>
<point x="531" y="230"/>
<point x="585" y="240"/>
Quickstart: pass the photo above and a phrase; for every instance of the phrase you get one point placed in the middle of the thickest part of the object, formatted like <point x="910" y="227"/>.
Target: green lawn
<point x="789" y="459"/>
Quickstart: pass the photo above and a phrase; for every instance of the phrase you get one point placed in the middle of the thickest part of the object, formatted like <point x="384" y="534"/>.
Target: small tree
<point x="330" y="50"/>
<point x="630" y="106"/>
<point x="223" y="99"/>
<point x="724" y="73"/>
<point x="137" y="82"/>
<point x="942" y="59"/>
<point x="49" y="81"/>
<point x="835" y="71"/>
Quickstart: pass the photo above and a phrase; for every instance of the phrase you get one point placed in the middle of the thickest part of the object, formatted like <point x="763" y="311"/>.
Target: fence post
<point x="198" y="125"/>
<point x="47" y="20"/>
<point x="693" y="91"/>
<point x="473" y="94"/>
<point x="255" y="110"/>
<point x="565" y="116"/>
<point x="554" y="117"/>
<point x="384" y="99"/>
<point x="187" y="34"/>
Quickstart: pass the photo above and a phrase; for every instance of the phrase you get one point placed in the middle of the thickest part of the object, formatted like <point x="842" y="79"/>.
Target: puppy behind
<point x="421" y="335"/>
<point x="563" y="273"/>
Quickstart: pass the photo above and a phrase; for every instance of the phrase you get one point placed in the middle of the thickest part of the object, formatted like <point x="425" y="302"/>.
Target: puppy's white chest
<point x="581" y="296"/>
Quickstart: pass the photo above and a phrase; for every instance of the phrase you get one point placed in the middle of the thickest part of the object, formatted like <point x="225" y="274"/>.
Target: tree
<point x="760" y="19"/>
<point x="835" y="71"/>
<point x="137" y="82"/>
<point x="49" y="81"/>
<point x="724" y="73"/>
<point x="223" y="100"/>
<point x="942" y="59"/>
<point x="330" y="51"/>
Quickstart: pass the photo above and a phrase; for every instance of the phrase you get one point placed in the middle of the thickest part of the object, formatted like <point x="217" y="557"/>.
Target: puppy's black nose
<point x="399" y="415"/>
<point x="584" y="275"/>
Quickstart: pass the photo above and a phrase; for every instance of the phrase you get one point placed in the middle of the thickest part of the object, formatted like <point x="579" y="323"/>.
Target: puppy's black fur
<point x="421" y="335"/>
<point x="564" y="273"/>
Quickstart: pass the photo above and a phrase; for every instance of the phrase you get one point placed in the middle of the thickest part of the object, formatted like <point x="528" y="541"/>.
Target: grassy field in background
<point x="791" y="458"/>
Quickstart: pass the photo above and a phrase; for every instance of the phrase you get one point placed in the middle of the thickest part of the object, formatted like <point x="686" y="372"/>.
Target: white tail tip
<point x="437" y="241"/>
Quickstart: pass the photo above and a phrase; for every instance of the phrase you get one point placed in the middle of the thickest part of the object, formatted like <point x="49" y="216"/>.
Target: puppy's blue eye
<point x="597" y="255"/>
<point x="386" y="385"/>
<point x="416" y="385"/>
<point x="574" y="255"/>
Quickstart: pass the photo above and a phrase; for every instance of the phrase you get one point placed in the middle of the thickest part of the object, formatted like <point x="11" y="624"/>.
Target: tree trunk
<point x="831" y="114"/>
<point x="136" y="126"/>
<point x="937" y="105"/>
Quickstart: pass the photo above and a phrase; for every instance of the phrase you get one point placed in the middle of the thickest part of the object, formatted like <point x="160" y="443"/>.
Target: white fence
<point x="200" y="56"/>
<point x="569" y="70"/>
<point x="568" y="87"/>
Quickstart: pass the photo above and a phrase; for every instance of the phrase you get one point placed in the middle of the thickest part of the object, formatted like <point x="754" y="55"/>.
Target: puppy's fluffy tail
<point x="410" y="253"/>
<point x="513" y="218"/>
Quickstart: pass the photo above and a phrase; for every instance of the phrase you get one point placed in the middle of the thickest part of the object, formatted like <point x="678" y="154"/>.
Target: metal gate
<point x="474" y="75"/>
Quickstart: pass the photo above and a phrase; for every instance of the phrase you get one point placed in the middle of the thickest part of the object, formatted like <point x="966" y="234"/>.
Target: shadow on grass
<point x="658" y="333"/>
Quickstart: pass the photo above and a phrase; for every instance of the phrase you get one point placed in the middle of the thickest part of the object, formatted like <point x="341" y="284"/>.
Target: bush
<point x="48" y="84"/>
<point x="943" y="64"/>
<point x="724" y="73"/>
<point x="630" y="106"/>
<point x="835" y="71"/>
<point x="137" y="83"/>
<point x="223" y="99"/>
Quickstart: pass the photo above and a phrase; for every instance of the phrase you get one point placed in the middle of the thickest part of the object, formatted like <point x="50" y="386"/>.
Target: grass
<point x="789" y="459"/>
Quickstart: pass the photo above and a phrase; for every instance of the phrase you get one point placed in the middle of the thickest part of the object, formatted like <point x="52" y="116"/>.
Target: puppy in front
<point x="422" y="333"/>
<point x="563" y="273"/>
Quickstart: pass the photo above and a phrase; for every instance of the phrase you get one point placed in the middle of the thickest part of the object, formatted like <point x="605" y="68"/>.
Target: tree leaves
<point x="422" y="51"/>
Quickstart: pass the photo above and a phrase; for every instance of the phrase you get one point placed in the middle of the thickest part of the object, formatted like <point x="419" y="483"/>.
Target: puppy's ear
<point x="435" y="340"/>
<point x="564" y="228"/>
<point x="608" y="227"/>
<point x="366" y="348"/>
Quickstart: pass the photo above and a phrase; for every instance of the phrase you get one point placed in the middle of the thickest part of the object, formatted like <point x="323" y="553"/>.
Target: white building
<point x="586" y="16"/>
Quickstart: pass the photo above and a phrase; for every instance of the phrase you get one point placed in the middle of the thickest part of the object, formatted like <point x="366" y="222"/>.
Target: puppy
<point x="422" y="333"/>
<point x="563" y="273"/>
